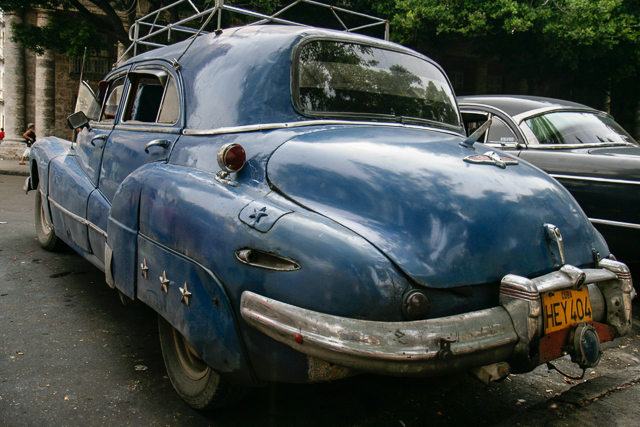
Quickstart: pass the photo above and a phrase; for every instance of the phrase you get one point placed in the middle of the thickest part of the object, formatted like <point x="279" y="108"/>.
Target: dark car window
<point x="152" y="99"/>
<point x="499" y="132"/>
<point x="335" y="78"/>
<point x="110" y="107"/>
<point x="576" y="128"/>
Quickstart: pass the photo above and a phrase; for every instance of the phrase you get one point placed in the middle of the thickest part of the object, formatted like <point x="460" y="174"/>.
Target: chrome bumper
<point x="510" y="332"/>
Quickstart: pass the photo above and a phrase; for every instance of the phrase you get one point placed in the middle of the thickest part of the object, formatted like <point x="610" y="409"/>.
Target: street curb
<point x="19" y="173"/>
<point x="573" y="399"/>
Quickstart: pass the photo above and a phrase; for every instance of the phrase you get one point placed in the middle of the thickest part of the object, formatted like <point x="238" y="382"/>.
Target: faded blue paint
<point x="369" y="212"/>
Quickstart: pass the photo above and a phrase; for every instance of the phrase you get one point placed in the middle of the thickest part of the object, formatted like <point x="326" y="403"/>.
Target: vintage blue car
<point x="301" y="205"/>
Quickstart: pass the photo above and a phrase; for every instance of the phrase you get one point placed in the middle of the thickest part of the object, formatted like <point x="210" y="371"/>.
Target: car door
<point x="147" y="128"/>
<point x="90" y="140"/>
<point x="74" y="178"/>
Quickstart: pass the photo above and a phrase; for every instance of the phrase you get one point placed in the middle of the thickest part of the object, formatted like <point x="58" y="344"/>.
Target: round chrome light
<point x="415" y="305"/>
<point x="231" y="157"/>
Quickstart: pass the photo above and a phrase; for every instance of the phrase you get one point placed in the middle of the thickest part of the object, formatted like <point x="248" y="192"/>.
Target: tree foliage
<point x="574" y="32"/>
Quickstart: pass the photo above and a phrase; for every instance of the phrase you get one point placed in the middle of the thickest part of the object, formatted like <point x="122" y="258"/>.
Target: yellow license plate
<point x="563" y="308"/>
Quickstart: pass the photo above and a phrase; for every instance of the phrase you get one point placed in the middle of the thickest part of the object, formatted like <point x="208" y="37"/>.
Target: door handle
<point x="164" y="143"/>
<point x="95" y="138"/>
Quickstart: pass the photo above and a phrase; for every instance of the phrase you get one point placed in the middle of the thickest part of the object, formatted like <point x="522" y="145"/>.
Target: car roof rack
<point x="147" y="27"/>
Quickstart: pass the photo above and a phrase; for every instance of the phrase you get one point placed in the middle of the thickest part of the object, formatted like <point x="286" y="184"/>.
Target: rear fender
<point x="188" y="295"/>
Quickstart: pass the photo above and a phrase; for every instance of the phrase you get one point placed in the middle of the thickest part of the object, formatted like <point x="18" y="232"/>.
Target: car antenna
<point x="468" y="143"/>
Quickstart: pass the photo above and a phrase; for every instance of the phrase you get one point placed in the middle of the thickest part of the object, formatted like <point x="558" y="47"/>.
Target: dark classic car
<point x="301" y="205"/>
<point x="583" y="148"/>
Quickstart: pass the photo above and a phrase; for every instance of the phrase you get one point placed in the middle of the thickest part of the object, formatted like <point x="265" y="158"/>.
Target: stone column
<point x="45" y="87"/>
<point x="14" y="90"/>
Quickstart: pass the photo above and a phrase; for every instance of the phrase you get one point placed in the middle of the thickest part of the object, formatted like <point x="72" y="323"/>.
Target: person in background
<point x="30" y="135"/>
<point x="1" y="134"/>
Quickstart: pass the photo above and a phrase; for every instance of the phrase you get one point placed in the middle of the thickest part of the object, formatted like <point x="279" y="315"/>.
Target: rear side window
<point x="342" y="79"/>
<point x="153" y="98"/>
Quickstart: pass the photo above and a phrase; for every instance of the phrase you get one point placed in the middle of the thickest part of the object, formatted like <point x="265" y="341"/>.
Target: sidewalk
<point x="12" y="167"/>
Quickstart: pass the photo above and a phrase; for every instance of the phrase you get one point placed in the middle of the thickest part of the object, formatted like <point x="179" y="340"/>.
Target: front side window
<point x="87" y="102"/>
<point x="577" y="128"/>
<point x="153" y="98"/>
<point x="110" y="107"/>
<point x="338" y="79"/>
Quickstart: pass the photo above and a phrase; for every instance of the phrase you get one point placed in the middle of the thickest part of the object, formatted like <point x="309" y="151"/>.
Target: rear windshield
<point x="346" y="79"/>
<point x="577" y="128"/>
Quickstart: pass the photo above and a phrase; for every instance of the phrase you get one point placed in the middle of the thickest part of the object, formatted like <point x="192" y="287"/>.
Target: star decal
<point x="144" y="268"/>
<point x="257" y="214"/>
<point x="185" y="294"/>
<point x="164" y="282"/>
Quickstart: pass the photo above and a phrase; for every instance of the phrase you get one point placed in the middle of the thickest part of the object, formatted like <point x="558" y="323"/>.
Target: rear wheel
<point x="196" y="383"/>
<point x="44" y="229"/>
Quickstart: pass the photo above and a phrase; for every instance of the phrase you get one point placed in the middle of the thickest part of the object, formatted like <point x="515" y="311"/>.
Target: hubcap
<point x="191" y="363"/>
<point x="44" y="222"/>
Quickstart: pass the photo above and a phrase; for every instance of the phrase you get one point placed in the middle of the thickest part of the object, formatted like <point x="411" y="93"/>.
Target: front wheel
<point x="196" y="383"/>
<point x="44" y="229"/>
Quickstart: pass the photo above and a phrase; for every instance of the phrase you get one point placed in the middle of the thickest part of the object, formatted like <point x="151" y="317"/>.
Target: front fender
<point x="42" y="152"/>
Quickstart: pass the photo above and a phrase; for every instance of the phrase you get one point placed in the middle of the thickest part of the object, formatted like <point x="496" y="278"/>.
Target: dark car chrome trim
<point x="614" y="223"/>
<point x="275" y="126"/>
<point x="78" y="218"/>
<point x="540" y="146"/>
<point x="519" y="118"/>
<point x="595" y="179"/>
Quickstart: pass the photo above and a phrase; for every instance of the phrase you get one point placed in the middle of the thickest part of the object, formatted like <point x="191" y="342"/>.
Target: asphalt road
<point x="72" y="355"/>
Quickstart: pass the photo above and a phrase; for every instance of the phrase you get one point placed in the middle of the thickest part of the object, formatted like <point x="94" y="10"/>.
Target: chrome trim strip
<point x="78" y="218"/>
<point x="96" y="125"/>
<point x="275" y="126"/>
<point x="594" y="179"/>
<point x="615" y="223"/>
<point x="552" y="147"/>
<point x="146" y="127"/>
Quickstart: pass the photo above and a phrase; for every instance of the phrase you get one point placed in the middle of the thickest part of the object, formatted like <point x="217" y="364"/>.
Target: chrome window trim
<point x="615" y="223"/>
<point x="519" y="118"/>
<point x="78" y="218"/>
<point x="288" y="125"/>
<point x="595" y="179"/>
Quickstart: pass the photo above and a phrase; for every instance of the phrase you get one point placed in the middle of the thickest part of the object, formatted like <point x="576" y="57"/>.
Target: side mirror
<point x="77" y="120"/>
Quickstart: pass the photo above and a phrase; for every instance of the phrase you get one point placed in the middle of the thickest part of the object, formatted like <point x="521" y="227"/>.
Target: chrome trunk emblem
<point x="491" y="158"/>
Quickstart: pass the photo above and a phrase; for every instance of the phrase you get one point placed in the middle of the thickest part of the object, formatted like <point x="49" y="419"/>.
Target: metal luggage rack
<point x="147" y="27"/>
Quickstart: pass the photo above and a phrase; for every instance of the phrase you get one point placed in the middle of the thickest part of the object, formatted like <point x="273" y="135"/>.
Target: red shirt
<point x="1" y="135"/>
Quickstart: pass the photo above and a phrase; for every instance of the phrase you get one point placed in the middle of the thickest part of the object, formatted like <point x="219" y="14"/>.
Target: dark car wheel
<point x="196" y="383"/>
<point x="44" y="229"/>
